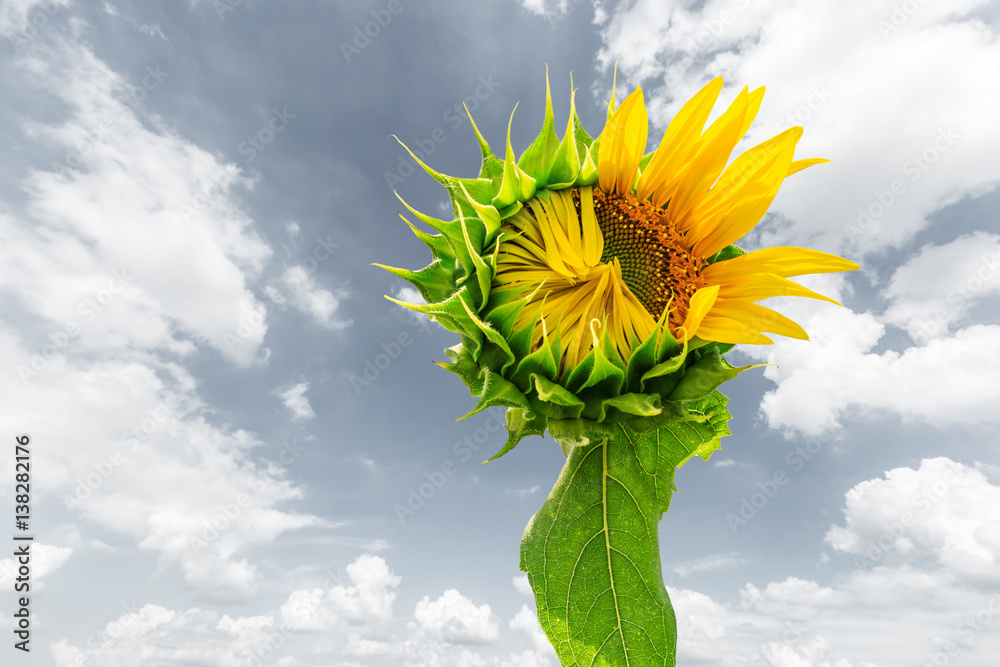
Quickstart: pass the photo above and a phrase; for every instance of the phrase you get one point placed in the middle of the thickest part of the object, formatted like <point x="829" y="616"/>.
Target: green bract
<point x="662" y="379"/>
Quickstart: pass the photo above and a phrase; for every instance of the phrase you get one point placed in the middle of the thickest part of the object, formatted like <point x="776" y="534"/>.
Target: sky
<point x="241" y="453"/>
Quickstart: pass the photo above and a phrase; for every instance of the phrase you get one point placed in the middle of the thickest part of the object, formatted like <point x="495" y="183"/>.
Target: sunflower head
<point x="592" y="284"/>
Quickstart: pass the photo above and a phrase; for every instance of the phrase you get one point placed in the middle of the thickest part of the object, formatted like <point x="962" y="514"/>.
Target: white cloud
<point x="93" y="261"/>
<point x="455" y="619"/>
<point x="319" y="303"/>
<point x="411" y="295"/>
<point x="345" y="620"/>
<point x="22" y="19"/>
<point x="155" y="635"/>
<point x="935" y="290"/>
<point x="794" y="623"/>
<point x="294" y="398"/>
<point x="943" y="382"/>
<point x="525" y="624"/>
<point x="792" y="599"/>
<point x="522" y="586"/>
<point x="943" y="511"/>
<point x="709" y="563"/>
<point x="96" y="251"/>
<point x="367" y="599"/>
<point x="884" y="105"/>
<point x="546" y="7"/>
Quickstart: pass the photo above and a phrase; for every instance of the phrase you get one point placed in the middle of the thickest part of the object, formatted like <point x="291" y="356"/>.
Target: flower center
<point x="656" y="266"/>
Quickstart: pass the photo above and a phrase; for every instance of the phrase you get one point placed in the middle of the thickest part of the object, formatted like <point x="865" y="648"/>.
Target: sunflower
<point x="645" y="241"/>
<point x="595" y="290"/>
<point x="588" y="281"/>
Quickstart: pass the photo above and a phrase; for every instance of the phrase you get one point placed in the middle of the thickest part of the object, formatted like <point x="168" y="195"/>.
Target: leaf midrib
<point x="607" y="547"/>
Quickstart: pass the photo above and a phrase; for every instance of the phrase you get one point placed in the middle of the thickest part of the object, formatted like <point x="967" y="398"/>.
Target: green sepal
<point x="668" y="346"/>
<point x="566" y="167"/>
<point x="606" y="379"/>
<point x="550" y="392"/>
<point x="704" y="375"/>
<point x="520" y="424"/>
<point x="508" y="211"/>
<point x="452" y="233"/>
<point x="434" y="281"/>
<point x="463" y="365"/>
<point x="452" y="314"/>
<point x="504" y="307"/>
<point x="516" y="186"/>
<point x="553" y="400"/>
<point x="492" y="166"/>
<point x="729" y="252"/>
<point x="438" y="243"/>
<point x="644" y="356"/>
<point x="540" y="362"/>
<point x="484" y="275"/>
<point x="520" y="344"/>
<point x="575" y="378"/>
<point x="480" y="188"/>
<point x="492" y="335"/>
<point x="640" y="405"/>
<point x="537" y="159"/>
<point x="488" y="217"/>
<point x="497" y="391"/>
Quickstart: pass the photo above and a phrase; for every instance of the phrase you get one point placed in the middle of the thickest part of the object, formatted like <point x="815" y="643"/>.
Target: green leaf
<point x="592" y="550"/>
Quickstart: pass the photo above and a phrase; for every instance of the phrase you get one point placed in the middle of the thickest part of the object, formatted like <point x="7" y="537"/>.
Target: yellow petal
<point x="679" y="141"/>
<point x="728" y="330"/>
<point x="622" y="142"/>
<point x="761" y="286"/>
<point x="785" y="261"/>
<point x="799" y="165"/>
<point x="716" y="146"/>
<point x="593" y="239"/>
<point x="758" y="317"/>
<point x="699" y="306"/>
<point x="743" y="194"/>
